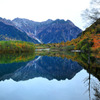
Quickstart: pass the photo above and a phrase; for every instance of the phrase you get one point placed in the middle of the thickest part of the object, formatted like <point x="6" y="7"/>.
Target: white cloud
<point x="40" y="10"/>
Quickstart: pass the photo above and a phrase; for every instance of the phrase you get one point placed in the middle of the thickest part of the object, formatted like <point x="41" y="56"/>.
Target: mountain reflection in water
<point x="47" y="67"/>
<point x="50" y="75"/>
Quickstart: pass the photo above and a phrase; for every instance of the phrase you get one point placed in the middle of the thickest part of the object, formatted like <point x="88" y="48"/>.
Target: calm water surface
<point x="47" y="78"/>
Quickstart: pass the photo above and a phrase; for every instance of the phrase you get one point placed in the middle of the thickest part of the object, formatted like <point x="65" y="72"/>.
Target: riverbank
<point x="53" y="47"/>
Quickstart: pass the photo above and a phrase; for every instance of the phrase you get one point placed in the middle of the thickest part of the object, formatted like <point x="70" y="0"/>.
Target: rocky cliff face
<point x="30" y="26"/>
<point x="43" y="32"/>
<point x="48" y="31"/>
<point x="8" y="31"/>
<point x="59" y="31"/>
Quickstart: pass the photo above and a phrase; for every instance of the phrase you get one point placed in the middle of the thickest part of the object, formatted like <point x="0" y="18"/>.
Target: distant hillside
<point x="88" y="39"/>
<point x="48" y="31"/>
<point x="10" y="32"/>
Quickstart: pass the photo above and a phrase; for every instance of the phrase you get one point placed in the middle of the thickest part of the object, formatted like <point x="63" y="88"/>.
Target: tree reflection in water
<point x="92" y="85"/>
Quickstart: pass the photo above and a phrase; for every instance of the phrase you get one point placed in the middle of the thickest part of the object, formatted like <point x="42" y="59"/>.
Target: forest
<point x="16" y="47"/>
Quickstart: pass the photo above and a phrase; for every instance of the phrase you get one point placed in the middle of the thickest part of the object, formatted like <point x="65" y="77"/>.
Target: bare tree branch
<point x="91" y="14"/>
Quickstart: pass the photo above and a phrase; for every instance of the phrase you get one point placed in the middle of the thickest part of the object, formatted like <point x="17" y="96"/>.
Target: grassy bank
<point x="16" y="47"/>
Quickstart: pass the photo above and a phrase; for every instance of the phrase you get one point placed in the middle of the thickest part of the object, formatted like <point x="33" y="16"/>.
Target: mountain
<point x="7" y="21"/>
<point x="48" y="31"/>
<point x="59" y="31"/>
<point x="30" y="26"/>
<point x="46" y="67"/>
<point x="9" y="32"/>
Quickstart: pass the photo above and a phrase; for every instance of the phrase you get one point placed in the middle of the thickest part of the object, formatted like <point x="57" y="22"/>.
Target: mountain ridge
<point x="42" y="30"/>
<point x="9" y="32"/>
<point x="49" y="31"/>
